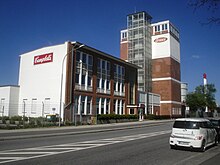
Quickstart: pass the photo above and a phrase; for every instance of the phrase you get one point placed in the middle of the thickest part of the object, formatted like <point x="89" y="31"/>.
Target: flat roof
<point x="148" y="15"/>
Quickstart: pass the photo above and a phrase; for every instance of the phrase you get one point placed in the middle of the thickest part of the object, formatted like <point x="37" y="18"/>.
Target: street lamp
<point x="61" y="83"/>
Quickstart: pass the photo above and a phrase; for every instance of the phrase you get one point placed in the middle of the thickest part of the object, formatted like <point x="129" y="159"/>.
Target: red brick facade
<point x="124" y="51"/>
<point x="166" y="82"/>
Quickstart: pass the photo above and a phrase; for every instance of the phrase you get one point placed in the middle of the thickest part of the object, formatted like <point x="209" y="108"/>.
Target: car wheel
<point x="172" y="147"/>
<point x="203" y="147"/>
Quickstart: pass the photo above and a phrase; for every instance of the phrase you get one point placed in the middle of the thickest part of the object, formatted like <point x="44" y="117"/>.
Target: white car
<point x="195" y="133"/>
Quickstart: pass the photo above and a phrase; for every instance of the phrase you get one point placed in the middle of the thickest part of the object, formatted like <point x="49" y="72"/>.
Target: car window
<point x="206" y="124"/>
<point x="215" y="122"/>
<point x="179" y="124"/>
<point x="186" y="124"/>
<point x="192" y="125"/>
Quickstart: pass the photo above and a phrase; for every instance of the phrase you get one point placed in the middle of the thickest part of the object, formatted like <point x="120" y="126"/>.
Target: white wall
<point x="40" y="83"/>
<point x="161" y="49"/>
<point x="9" y="100"/>
<point x="165" y="45"/>
<point x="168" y="48"/>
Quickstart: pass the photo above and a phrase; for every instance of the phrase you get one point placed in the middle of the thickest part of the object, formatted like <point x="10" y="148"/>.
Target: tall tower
<point x="166" y="67"/>
<point x="136" y="47"/>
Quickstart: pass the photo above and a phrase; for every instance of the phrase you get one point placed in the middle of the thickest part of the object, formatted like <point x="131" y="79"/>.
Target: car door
<point x="211" y="132"/>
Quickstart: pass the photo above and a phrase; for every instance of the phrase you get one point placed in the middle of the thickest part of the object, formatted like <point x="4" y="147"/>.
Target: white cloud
<point x="195" y="57"/>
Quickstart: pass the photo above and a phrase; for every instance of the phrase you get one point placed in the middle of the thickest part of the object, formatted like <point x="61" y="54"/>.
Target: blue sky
<point x="31" y="24"/>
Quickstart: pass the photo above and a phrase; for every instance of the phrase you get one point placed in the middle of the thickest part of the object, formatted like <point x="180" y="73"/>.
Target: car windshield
<point x="186" y="124"/>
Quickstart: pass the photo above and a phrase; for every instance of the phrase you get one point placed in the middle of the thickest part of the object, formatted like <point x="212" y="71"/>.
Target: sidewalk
<point x="71" y="130"/>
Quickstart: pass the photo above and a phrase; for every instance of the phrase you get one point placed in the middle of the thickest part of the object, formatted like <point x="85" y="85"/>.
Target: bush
<point x="156" y="117"/>
<point x="116" y="117"/>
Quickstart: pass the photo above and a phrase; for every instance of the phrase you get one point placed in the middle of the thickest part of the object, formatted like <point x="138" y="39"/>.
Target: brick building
<point x="155" y="48"/>
<point x="76" y="82"/>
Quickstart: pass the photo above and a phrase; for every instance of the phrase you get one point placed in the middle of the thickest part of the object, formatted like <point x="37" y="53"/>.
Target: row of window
<point x="161" y="27"/>
<point x="84" y="71"/>
<point x="84" y="106"/>
<point x="33" y="106"/>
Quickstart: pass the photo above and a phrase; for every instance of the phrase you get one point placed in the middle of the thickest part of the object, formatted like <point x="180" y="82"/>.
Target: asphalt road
<point x="141" y="145"/>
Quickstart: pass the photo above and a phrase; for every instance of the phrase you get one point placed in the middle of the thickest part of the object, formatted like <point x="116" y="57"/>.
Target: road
<point x="141" y="145"/>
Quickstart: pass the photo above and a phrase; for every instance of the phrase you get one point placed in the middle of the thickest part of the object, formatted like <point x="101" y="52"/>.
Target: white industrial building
<point x="9" y="96"/>
<point x="40" y="81"/>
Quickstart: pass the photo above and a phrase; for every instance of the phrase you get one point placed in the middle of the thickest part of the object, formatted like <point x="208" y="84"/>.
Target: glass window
<point x="103" y="83"/>
<point x="78" y="56"/>
<point x="82" y="104"/>
<point x="90" y="60"/>
<point x="83" y="79"/>
<point x="163" y="27"/>
<point x="123" y="70"/>
<point x="77" y="79"/>
<point x="108" y="85"/>
<point x="34" y="106"/>
<point x="103" y="64"/>
<point x="119" y="70"/>
<point x="166" y="26"/>
<point x="89" y="81"/>
<point x="84" y="58"/>
<point x="115" y="68"/>
<point x="132" y="111"/>
<point x="98" y="63"/>
<point x="89" y="105"/>
<point x="158" y="27"/>
<point x="186" y="124"/>
<point x="108" y="66"/>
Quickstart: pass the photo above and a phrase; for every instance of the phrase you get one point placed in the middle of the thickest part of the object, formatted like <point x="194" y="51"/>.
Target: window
<point x="124" y="35"/>
<point x="82" y="108"/>
<point x="84" y="58"/>
<point x="89" y="105"/>
<point x="2" y="106"/>
<point x="78" y="56"/>
<point x="157" y="28"/>
<point x="108" y="66"/>
<point x="123" y="71"/>
<point x="77" y="79"/>
<point x="34" y="106"/>
<point x="163" y="27"/>
<point x="98" y="63"/>
<point x="103" y="64"/>
<point x="89" y="81"/>
<point x="187" y="124"/>
<point x="47" y="106"/>
<point x="166" y="27"/>
<point x="90" y="60"/>
<point x="83" y="79"/>
<point x="131" y="111"/>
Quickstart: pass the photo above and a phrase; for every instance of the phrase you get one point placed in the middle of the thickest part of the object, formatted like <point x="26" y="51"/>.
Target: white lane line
<point x="9" y="158"/>
<point x="85" y="145"/>
<point x="54" y="148"/>
<point x="26" y="153"/>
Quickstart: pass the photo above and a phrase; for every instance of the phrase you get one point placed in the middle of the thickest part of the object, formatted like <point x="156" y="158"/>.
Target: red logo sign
<point x="45" y="58"/>
<point x="161" y="39"/>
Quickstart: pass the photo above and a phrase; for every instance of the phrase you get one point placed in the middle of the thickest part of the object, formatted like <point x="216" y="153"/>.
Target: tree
<point x="212" y="6"/>
<point x="202" y="96"/>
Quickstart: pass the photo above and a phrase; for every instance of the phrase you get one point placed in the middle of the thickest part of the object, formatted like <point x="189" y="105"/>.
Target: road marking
<point x="7" y="158"/>
<point x="70" y="147"/>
